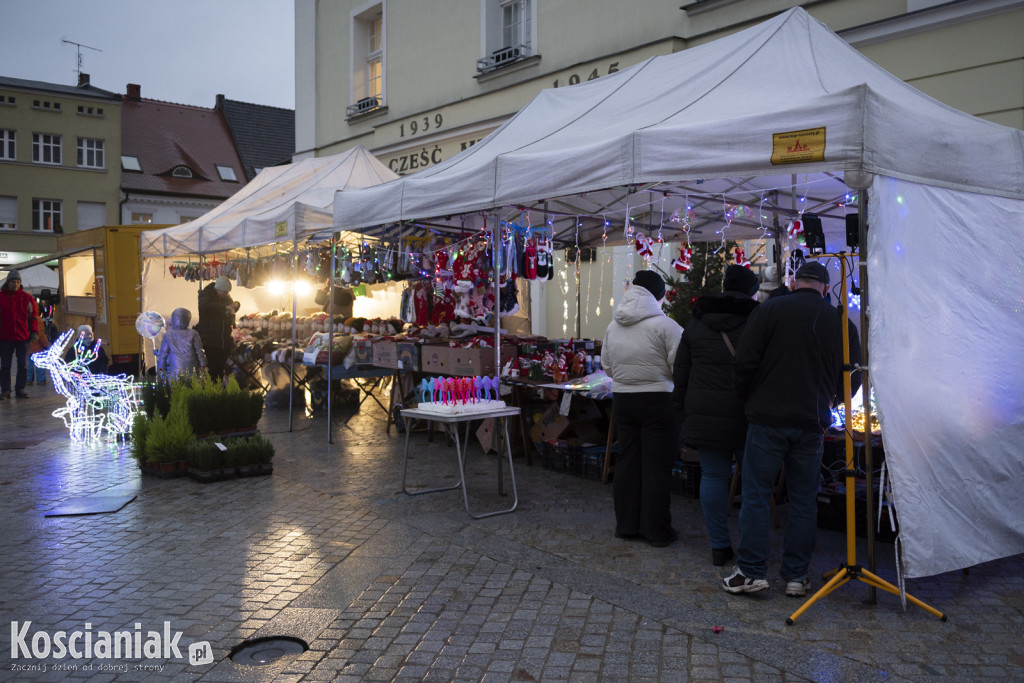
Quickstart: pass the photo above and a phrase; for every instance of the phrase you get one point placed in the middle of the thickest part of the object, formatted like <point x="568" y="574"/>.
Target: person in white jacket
<point x="638" y="353"/>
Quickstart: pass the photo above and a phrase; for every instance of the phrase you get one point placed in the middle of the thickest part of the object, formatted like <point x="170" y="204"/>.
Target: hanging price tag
<point x="563" y="408"/>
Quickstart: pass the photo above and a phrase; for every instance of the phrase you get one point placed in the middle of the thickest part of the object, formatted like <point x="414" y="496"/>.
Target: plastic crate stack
<point x="579" y="460"/>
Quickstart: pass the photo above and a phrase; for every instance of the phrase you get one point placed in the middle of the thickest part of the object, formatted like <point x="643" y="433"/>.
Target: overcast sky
<point x="184" y="51"/>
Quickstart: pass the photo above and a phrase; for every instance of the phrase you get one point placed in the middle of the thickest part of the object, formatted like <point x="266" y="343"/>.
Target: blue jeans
<point x="19" y="350"/>
<point x="766" y="450"/>
<point x="715" y="477"/>
<point x="35" y="373"/>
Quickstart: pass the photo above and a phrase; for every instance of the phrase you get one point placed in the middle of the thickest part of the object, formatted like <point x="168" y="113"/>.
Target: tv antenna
<point x="79" y="47"/>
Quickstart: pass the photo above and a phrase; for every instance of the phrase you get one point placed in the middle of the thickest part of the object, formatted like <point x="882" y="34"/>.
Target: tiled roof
<point x="164" y="136"/>
<point x="264" y="136"/>
<point x="69" y="90"/>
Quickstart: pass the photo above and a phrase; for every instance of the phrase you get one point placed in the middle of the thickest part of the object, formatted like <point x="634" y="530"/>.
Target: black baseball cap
<point x="812" y="270"/>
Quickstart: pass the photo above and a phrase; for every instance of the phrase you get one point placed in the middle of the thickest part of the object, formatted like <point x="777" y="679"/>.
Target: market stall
<point x="267" y="239"/>
<point x="783" y="120"/>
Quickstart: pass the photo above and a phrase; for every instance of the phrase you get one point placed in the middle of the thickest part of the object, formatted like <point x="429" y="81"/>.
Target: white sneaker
<point x="738" y="583"/>
<point x="798" y="589"/>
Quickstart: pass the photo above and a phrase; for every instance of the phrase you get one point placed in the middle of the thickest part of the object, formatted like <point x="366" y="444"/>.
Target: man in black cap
<point x="787" y="368"/>
<point x="637" y="353"/>
<point x="19" y="324"/>
<point x="712" y="414"/>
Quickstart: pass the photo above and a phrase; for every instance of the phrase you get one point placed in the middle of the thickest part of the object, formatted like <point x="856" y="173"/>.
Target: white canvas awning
<point x="281" y="204"/>
<point x="711" y="112"/>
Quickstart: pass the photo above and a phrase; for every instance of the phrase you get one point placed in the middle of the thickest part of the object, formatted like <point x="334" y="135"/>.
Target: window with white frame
<point x="47" y="215"/>
<point x="46" y="148"/>
<point x="8" y="213"/>
<point x="509" y="33"/>
<point x="367" y="60"/>
<point x="7" y="148"/>
<point x="226" y="173"/>
<point x="141" y="217"/>
<point x="90" y="153"/>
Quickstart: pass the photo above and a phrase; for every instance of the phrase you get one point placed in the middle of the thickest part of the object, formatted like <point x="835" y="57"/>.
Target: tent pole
<point x="330" y="330"/>
<point x="291" y="373"/>
<point x="862" y="241"/>
<point x="496" y="277"/>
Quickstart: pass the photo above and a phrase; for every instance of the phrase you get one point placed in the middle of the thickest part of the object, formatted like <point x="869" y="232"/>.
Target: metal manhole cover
<point x="263" y="651"/>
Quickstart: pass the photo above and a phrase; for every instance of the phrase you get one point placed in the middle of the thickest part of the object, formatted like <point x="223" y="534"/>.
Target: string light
<point x="98" y="406"/>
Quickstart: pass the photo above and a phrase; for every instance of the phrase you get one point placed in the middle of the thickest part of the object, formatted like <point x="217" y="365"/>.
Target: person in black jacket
<point x="216" y="318"/>
<point x="712" y="414"/>
<point x="787" y="366"/>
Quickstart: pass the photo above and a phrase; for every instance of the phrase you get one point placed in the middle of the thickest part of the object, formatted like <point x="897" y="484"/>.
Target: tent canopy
<point x="281" y="204"/>
<point x="702" y="122"/>
<point x="784" y="117"/>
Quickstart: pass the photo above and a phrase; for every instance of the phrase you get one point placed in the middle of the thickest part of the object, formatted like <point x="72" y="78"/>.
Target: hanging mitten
<point x="530" y="260"/>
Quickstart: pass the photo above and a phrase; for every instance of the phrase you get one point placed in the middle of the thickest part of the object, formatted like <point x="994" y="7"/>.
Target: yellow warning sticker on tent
<point x="798" y="146"/>
<point x="281" y="229"/>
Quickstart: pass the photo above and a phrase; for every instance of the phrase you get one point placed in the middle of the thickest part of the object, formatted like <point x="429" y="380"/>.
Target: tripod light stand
<point x="851" y="569"/>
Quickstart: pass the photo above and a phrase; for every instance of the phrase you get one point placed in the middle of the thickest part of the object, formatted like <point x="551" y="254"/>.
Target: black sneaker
<point x="21" y="394"/>
<point x="738" y="583"/>
<point x="719" y="556"/>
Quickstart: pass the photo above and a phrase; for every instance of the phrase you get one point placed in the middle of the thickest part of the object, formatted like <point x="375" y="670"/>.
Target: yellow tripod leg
<point x="842" y="576"/>
<point x="878" y="582"/>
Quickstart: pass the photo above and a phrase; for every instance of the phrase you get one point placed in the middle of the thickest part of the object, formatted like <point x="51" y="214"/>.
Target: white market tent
<point x="282" y="204"/>
<point x="788" y="108"/>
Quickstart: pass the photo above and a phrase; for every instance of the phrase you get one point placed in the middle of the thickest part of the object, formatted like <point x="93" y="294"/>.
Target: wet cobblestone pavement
<point x="383" y="586"/>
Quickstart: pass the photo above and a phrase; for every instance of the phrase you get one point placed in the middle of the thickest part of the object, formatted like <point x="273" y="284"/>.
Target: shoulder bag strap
<point x="728" y="343"/>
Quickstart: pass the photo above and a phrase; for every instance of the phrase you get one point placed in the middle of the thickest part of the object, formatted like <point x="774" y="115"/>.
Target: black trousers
<point x="648" y="435"/>
<point x="215" y="360"/>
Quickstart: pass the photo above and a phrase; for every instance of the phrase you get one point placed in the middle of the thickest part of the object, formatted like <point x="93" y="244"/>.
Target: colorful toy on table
<point x="459" y="395"/>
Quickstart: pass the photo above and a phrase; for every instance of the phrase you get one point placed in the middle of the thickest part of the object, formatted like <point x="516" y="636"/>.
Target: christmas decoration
<point x="682" y="264"/>
<point x="705" y="276"/>
<point x="741" y="258"/>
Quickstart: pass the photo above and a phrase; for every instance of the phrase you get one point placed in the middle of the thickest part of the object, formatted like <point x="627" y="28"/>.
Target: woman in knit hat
<point x="712" y="414"/>
<point x="637" y="353"/>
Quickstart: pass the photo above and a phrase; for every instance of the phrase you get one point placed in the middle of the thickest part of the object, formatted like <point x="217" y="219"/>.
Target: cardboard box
<point x="385" y="354"/>
<point x="477" y="362"/>
<point x="550" y="425"/>
<point x="408" y="356"/>
<point x="435" y="358"/>
<point x="363" y="351"/>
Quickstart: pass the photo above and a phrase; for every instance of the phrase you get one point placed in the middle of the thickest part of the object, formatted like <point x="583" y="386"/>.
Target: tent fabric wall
<point x="947" y="360"/>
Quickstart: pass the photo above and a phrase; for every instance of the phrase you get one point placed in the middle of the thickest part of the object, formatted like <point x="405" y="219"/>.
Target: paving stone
<point x="389" y="587"/>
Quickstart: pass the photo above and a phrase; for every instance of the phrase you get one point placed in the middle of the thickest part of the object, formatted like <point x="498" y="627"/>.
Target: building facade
<point x="418" y="82"/>
<point x="59" y="170"/>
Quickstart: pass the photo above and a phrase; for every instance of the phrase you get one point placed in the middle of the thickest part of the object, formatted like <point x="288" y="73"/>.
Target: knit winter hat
<point x="13" y="275"/>
<point x="86" y="330"/>
<point x="652" y="282"/>
<point x="741" y="279"/>
<point x="223" y="284"/>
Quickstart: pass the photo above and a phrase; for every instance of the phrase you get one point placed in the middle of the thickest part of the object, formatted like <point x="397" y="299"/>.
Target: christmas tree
<point x="707" y="270"/>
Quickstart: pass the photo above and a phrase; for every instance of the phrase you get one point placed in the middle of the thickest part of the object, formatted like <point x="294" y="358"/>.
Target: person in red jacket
<point x="19" y="324"/>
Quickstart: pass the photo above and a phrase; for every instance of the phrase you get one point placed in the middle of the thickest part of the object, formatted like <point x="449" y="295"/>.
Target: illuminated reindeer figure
<point x="97" y="405"/>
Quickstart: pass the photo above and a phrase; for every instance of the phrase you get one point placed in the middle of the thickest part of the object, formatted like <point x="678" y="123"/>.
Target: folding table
<point x="501" y="415"/>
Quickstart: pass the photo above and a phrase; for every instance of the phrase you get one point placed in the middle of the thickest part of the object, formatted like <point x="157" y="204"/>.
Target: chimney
<point x="83" y="79"/>
<point x="134" y="92"/>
